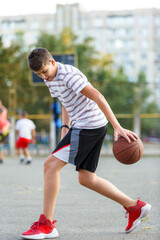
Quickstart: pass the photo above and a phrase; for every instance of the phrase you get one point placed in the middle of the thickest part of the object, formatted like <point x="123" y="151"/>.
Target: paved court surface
<point x="80" y="213"/>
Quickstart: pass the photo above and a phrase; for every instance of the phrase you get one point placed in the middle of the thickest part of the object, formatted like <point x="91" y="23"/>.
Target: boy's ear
<point x="52" y="61"/>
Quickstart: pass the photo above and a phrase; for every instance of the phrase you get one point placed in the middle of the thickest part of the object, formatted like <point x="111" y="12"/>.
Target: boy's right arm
<point x="65" y="121"/>
<point x="97" y="97"/>
<point x="17" y="133"/>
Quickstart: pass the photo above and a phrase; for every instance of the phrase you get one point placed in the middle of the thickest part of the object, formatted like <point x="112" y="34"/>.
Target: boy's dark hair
<point x="38" y="57"/>
<point x="22" y="113"/>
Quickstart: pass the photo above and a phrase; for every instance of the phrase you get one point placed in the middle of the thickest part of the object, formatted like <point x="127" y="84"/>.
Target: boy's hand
<point x="127" y="134"/>
<point x="33" y="141"/>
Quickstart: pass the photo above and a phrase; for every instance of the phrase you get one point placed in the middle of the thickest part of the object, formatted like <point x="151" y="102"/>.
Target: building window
<point x="158" y="58"/>
<point x="143" y="20"/>
<point x="98" y="46"/>
<point x="129" y="67"/>
<point x="111" y="32"/>
<point x="144" y="68"/>
<point x="97" y="22"/>
<point x="157" y="20"/>
<point x="120" y="20"/>
<point x="144" y="56"/>
<point x="128" y="57"/>
<point x="130" y="43"/>
<point x="158" y="90"/>
<point x="119" y="44"/>
<point x="20" y="25"/>
<point x="158" y="68"/>
<point x="49" y="25"/>
<point x="111" y="44"/>
<point x="35" y="25"/>
<point x="158" y="81"/>
<point x="121" y="31"/>
<point x="7" y="39"/>
<point x="59" y="10"/>
<point x="33" y="37"/>
<point x="157" y="32"/>
<point x="144" y="44"/>
<point x="14" y="25"/>
<point x="158" y="44"/>
<point x="143" y="32"/>
<point x="6" y="25"/>
<point x="129" y="31"/>
<point x="85" y="23"/>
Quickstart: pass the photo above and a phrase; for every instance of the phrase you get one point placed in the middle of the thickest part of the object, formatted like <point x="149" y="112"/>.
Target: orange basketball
<point x="128" y="153"/>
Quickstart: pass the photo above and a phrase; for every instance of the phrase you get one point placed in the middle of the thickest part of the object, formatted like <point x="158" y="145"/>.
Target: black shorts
<point x="81" y="147"/>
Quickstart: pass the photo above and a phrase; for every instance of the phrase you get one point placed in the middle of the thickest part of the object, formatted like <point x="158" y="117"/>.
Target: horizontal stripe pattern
<point x="66" y="86"/>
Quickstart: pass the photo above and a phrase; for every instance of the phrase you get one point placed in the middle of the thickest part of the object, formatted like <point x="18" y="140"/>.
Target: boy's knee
<point x="86" y="178"/>
<point x="52" y="164"/>
<point x="82" y="181"/>
<point x="48" y="164"/>
<point x="83" y="178"/>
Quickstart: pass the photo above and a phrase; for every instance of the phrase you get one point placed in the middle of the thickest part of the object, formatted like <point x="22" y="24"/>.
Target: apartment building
<point x="132" y="36"/>
<point x="31" y="25"/>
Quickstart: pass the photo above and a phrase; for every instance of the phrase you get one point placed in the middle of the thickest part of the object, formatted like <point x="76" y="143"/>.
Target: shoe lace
<point x="35" y="226"/>
<point x="129" y="214"/>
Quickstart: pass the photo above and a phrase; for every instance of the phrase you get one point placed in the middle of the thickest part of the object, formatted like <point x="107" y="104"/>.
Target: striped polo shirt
<point x="66" y="86"/>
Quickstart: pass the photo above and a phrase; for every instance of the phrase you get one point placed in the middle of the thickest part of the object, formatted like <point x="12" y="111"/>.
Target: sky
<point x="21" y="7"/>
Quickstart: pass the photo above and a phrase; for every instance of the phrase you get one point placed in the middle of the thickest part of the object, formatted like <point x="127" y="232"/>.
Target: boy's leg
<point x="136" y="210"/>
<point x="104" y="187"/>
<point x="52" y="167"/>
<point x="28" y="155"/>
<point x="45" y="227"/>
<point x="20" y="154"/>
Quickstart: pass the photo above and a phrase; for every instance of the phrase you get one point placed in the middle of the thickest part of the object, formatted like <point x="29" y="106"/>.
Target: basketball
<point x="128" y="153"/>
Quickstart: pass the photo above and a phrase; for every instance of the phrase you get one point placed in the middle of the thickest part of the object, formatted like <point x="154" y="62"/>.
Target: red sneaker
<point x="135" y="214"/>
<point x="42" y="229"/>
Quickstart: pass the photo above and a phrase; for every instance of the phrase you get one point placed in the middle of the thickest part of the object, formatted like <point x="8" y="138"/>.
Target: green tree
<point x="48" y="41"/>
<point x="67" y="41"/>
<point x="62" y="43"/>
<point x="118" y="91"/>
<point x="149" y="127"/>
<point x="87" y="57"/>
<point x="11" y="69"/>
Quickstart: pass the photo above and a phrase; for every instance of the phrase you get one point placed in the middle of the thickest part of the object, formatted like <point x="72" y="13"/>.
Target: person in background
<point x="4" y="128"/>
<point x="26" y="133"/>
<point x="56" y="110"/>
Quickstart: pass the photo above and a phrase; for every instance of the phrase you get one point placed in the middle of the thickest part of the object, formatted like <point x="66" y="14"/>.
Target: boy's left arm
<point x="65" y="121"/>
<point x="97" y="97"/>
<point x="33" y="136"/>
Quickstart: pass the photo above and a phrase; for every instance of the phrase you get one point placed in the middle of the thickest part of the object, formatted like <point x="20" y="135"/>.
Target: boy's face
<point x="49" y="71"/>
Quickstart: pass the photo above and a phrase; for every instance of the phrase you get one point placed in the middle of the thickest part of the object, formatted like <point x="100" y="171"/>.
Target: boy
<point x="4" y="128"/>
<point x="25" y="130"/>
<point x="81" y="142"/>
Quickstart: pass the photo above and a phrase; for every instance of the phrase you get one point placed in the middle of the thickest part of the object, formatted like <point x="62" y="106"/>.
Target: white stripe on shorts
<point x="63" y="153"/>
